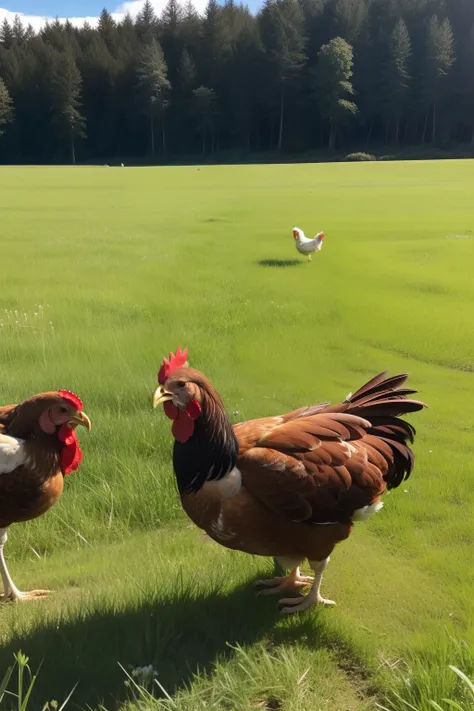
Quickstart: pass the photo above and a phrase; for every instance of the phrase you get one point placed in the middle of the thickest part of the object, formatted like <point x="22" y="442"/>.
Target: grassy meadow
<point x="102" y="272"/>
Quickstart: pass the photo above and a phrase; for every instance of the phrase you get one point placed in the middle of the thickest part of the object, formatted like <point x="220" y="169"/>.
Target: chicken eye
<point x="180" y="383"/>
<point x="63" y="410"/>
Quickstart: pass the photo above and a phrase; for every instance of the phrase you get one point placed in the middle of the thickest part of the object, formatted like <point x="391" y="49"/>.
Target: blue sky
<point x="35" y="11"/>
<point x="74" y="8"/>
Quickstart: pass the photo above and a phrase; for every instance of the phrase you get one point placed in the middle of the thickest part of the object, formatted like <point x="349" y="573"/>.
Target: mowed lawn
<point x="102" y="272"/>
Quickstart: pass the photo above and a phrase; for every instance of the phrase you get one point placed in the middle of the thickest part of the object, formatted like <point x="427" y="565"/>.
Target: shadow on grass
<point x="280" y="262"/>
<point x="178" y="636"/>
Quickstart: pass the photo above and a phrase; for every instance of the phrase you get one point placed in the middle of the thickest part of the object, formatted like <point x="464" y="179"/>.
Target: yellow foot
<point x="18" y="596"/>
<point x="289" y="583"/>
<point x="300" y="604"/>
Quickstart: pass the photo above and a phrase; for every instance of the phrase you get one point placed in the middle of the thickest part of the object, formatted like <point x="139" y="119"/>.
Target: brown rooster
<point x="38" y="447"/>
<point x="291" y="486"/>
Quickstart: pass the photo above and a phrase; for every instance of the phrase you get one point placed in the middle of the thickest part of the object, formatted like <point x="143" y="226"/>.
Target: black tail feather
<point x="382" y="401"/>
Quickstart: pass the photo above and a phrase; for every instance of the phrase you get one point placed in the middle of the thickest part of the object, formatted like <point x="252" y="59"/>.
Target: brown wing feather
<point x="305" y="469"/>
<point x="301" y="466"/>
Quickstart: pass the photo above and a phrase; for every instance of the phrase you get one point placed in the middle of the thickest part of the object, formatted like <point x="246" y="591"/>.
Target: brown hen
<point x="38" y="447"/>
<point x="292" y="486"/>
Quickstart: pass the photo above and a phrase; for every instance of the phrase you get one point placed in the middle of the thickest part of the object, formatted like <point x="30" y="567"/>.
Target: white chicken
<point x="305" y="245"/>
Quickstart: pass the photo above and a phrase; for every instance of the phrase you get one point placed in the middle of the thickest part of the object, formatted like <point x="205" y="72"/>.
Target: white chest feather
<point x="227" y="487"/>
<point x="367" y="511"/>
<point x="230" y="484"/>
<point x="12" y="453"/>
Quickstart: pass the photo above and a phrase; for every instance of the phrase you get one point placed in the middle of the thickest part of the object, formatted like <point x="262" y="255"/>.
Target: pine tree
<point x="154" y="85"/>
<point x="127" y="38"/>
<point x="216" y="43"/>
<point x="332" y="84"/>
<point x="282" y="25"/>
<point x="6" y="107"/>
<point x="205" y="112"/>
<point x="190" y="28"/>
<point x="244" y="90"/>
<point x="107" y="28"/>
<point x="171" y="40"/>
<point x="29" y="32"/>
<point x="172" y="17"/>
<point x="351" y="17"/>
<point x="147" y="23"/>
<point x="438" y="64"/>
<point x="66" y="92"/>
<point x="6" y="35"/>
<point x="18" y="31"/>
<point x="187" y="71"/>
<point x="318" y="25"/>
<point x="396" y="76"/>
<point x="465" y="87"/>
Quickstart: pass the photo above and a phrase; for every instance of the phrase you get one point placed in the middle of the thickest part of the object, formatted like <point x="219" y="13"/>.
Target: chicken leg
<point x="309" y="258"/>
<point x="314" y="597"/>
<point x="11" y="592"/>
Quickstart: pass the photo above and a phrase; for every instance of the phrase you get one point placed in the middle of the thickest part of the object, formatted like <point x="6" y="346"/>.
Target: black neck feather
<point x="211" y="452"/>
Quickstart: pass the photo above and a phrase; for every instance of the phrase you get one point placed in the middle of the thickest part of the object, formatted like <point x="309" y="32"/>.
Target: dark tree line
<point x="299" y="75"/>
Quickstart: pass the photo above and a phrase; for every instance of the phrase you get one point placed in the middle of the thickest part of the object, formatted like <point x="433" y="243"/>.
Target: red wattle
<point x="71" y="455"/>
<point x="183" y="427"/>
<point x="194" y="409"/>
<point x="171" y="410"/>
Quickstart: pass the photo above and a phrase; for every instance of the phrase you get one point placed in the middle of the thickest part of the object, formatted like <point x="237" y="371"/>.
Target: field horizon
<point x="103" y="272"/>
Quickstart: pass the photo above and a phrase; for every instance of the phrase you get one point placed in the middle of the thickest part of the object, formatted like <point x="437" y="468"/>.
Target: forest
<point x="298" y="76"/>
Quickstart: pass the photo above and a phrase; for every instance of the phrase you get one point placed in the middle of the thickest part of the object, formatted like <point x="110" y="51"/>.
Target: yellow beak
<point x="80" y="419"/>
<point x="160" y="396"/>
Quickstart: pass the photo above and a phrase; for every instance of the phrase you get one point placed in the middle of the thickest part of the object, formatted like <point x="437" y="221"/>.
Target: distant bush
<point x="360" y="156"/>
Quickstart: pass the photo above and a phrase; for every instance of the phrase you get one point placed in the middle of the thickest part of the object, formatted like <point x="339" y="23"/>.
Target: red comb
<point x="176" y="360"/>
<point x="72" y="399"/>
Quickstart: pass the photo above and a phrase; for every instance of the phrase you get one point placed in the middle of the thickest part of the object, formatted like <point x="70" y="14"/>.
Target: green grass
<point x="128" y="264"/>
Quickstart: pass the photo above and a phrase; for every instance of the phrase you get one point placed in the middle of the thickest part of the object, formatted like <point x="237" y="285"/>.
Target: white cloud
<point x="133" y="7"/>
<point x="37" y="21"/>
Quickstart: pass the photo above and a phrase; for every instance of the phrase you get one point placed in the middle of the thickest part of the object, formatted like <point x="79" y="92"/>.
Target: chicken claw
<point x="287" y="583"/>
<point x="300" y="604"/>
<point x="18" y="596"/>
